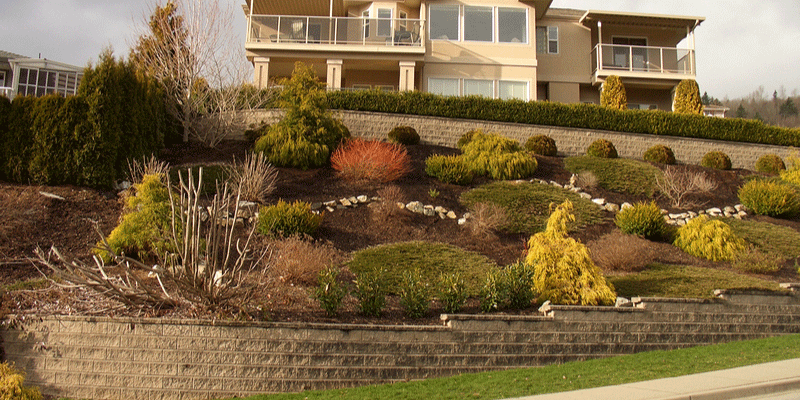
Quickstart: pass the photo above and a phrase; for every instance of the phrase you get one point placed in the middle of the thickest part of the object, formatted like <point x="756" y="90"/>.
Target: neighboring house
<point x="715" y="111"/>
<point x="20" y="75"/>
<point x="495" y="48"/>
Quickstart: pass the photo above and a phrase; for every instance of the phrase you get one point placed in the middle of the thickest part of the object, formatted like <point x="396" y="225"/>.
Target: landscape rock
<point x="611" y="207"/>
<point x="428" y="211"/>
<point x="345" y="202"/>
<point x="585" y="195"/>
<point x="599" y="201"/>
<point x="462" y="221"/>
<point x="330" y="209"/>
<point x="362" y="199"/>
<point x="451" y="214"/>
<point x="440" y="209"/>
<point x="316" y="206"/>
<point x="415" y="207"/>
<point x="625" y="206"/>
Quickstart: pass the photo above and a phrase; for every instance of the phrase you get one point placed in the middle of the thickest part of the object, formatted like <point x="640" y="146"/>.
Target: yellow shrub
<point x="11" y="385"/>
<point x="710" y="239"/>
<point x="563" y="270"/>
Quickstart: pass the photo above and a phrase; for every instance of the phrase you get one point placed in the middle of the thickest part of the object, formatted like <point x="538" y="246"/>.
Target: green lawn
<point x="617" y="174"/>
<point x="574" y="375"/>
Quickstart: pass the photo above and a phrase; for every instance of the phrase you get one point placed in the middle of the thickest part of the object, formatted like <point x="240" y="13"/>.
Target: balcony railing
<point x="611" y="58"/>
<point x="6" y="91"/>
<point x="335" y="31"/>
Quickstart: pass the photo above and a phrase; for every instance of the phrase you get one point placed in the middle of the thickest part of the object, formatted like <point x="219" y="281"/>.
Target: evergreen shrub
<point x="497" y="156"/>
<point x="285" y="219"/>
<point x="542" y="145"/>
<point x="449" y="169"/>
<point x="770" y="197"/>
<point x="643" y="219"/>
<point x="660" y="154"/>
<point x="602" y="148"/>
<point x="770" y="164"/>
<point x="716" y="160"/>
<point x="415" y="293"/>
<point x="12" y="384"/>
<point x="329" y="291"/>
<point x="710" y="239"/>
<point x="687" y="98"/>
<point x="405" y="135"/>
<point x="505" y="166"/>
<point x="452" y="292"/>
<point x="613" y="94"/>
<point x="371" y="292"/>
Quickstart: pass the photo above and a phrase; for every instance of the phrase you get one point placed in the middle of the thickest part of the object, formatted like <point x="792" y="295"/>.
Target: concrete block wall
<point x="105" y="358"/>
<point x="570" y="141"/>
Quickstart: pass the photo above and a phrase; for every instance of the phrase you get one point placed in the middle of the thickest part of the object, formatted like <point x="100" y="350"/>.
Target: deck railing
<point x="293" y="29"/>
<point x="607" y="58"/>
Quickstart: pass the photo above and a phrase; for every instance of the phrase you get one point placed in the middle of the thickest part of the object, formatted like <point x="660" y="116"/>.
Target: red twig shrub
<point x="369" y="160"/>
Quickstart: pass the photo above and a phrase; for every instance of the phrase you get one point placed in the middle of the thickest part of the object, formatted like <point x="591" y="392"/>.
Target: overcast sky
<point x="743" y="44"/>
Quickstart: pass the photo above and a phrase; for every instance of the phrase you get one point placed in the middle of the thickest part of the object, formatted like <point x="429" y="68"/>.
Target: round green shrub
<point x="643" y="219"/>
<point x="449" y="169"/>
<point x="660" y="154"/>
<point x="716" y="160"/>
<point x="286" y="219"/>
<point x="770" y="197"/>
<point x="602" y="148"/>
<point x="505" y="166"/>
<point x="404" y="135"/>
<point x="542" y="145"/>
<point x="770" y="164"/>
<point x="710" y="239"/>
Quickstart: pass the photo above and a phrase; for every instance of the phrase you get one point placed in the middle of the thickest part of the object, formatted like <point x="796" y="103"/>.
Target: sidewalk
<point x="754" y="380"/>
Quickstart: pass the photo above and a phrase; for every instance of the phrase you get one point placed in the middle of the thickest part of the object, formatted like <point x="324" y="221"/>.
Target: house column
<point x="261" y="78"/>
<point x="599" y="46"/>
<point x="334" y="74"/>
<point x="406" y="76"/>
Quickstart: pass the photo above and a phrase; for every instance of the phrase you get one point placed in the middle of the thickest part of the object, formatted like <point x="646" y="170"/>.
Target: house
<point x="20" y="75"/>
<point x="712" y="110"/>
<point x="521" y="49"/>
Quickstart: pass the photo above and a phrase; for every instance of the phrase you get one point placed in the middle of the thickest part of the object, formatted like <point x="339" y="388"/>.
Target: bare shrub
<point x="254" y="177"/>
<point x="388" y="207"/>
<point x="586" y="179"/>
<point x="678" y="184"/>
<point x="621" y="252"/>
<point x="299" y="260"/>
<point x="486" y="218"/>
<point x="371" y="160"/>
<point x="146" y="166"/>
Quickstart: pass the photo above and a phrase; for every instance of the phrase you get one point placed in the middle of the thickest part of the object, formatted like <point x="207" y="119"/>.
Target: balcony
<point x="6" y="91"/>
<point x="645" y="62"/>
<point x="298" y="33"/>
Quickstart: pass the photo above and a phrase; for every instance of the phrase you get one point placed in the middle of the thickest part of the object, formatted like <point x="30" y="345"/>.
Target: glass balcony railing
<point x="610" y="58"/>
<point x="293" y="29"/>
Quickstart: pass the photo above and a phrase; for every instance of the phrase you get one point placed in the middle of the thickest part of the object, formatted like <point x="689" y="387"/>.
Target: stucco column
<point x="406" y="76"/>
<point x="334" y="74"/>
<point x="261" y="78"/>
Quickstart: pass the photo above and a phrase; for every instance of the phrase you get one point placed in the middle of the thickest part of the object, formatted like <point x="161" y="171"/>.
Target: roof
<point x="44" y="63"/>
<point x="7" y="55"/>
<point x="641" y="19"/>
<point x="565" y="13"/>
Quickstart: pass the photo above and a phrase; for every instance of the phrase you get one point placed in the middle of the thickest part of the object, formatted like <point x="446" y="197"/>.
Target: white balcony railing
<point x="293" y="29"/>
<point x="608" y="58"/>
<point x="6" y="91"/>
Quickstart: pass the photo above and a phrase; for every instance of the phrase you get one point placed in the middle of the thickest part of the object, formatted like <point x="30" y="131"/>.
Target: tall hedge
<point x="587" y="116"/>
<point x="84" y="139"/>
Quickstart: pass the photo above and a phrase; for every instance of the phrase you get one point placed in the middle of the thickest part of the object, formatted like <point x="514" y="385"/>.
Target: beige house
<point x="495" y="48"/>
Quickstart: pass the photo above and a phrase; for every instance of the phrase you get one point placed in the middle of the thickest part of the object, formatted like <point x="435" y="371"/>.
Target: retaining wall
<point x="104" y="358"/>
<point x="570" y="141"/>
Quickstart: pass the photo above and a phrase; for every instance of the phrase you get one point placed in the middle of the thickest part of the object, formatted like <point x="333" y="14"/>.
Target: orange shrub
<point x="371" y="160"/>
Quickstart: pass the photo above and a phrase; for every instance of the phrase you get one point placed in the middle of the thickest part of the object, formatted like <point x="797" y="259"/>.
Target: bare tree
<point x="677" y="185"/>
<point x="191" y="49"/>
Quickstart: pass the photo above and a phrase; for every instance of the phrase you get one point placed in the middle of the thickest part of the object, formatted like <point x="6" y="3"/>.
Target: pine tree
<point x="788" y="109"/>
<point x="740" y="112"/>
<point x="613" y="94"/>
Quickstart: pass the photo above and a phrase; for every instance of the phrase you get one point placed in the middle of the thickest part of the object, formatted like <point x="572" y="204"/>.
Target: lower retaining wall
<point x="570" y="141"/>
<point x="104" y="358"/>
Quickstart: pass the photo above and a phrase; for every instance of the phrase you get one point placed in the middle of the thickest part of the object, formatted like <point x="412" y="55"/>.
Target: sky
<point x="742" y="45"/>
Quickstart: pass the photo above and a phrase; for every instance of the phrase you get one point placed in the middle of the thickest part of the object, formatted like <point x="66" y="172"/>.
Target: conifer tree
<point x="687" y="98"/>
<point x="613" y="94"/>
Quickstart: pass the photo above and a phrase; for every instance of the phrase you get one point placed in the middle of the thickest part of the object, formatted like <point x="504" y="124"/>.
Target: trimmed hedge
<point x="85" y="139"/>
<point x="588" y="116"/>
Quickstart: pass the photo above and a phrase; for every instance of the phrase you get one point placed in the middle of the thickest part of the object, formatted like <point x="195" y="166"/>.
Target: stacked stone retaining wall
<point x="570" y="141"/>
<point x="129" y="358"/>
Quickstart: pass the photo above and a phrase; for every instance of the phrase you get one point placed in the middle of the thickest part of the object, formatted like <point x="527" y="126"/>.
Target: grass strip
<point x="572" y="375"/>
<point x="617" y="174"/>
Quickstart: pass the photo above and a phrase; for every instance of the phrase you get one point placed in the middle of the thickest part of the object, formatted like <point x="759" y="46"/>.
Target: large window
<point x="513" y="90"/>
<point x="36" y="82"/>
<point x="384" y="22"/>
<point x="444" y="22"/>
<point x="478" y="24"/>
<point x="547" y="39"/>
<point x="479" y="87"/>
<point x="512" y="25"/>
<point x="443" y="86"/>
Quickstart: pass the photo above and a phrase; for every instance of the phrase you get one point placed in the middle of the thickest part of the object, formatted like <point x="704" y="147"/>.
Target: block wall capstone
<point x="132" y="358"/>
<point x="570" y="141"/>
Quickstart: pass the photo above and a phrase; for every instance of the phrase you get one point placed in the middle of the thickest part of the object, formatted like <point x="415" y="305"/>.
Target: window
<point x="37" y="82"/>
<point x="444" y="22"/>
<point x="547" y="39"/>
<point x="365" y="16"/>
<point x="2" y="78"/>
<point x="479" y="87"/>
<point x="443" y="86"/>
<point x="385" y="88"/>
<point x="361" y="87"/>
<point x="512" y="25"/>
<point x="513" y="90"/>
<point x="384" y="22"/>
<point x="478" y="24"/>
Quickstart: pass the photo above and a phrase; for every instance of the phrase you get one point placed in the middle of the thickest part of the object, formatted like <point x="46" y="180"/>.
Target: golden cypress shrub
<point x="564" y="273"/>
<point x="613" y="94"/>
<point x="710" y="239"/>
<point x="687" y="98"/>
<point x="11" y="385"/>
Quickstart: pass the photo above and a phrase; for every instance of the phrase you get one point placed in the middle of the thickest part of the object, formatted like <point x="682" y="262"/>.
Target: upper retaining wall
<point x="570" y="141"/>
<point x="131" y="358"/>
